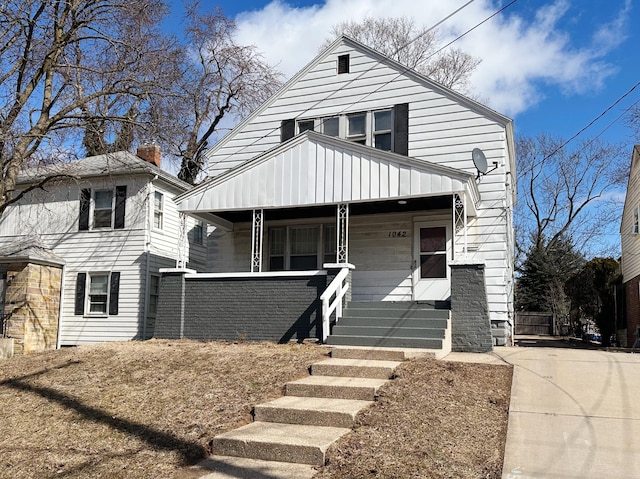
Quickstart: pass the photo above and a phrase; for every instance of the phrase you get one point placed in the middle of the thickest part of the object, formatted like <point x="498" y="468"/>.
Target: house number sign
<point x="398" y="234"/>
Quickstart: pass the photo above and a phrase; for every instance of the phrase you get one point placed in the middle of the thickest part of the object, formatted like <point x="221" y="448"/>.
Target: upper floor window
<point x="102" y="208"/>
<point x="371" y="128"/>
<point x="158" y="210"/>
<point x="636" y="214"/>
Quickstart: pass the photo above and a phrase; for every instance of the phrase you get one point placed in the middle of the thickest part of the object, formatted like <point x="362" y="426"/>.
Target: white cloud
<point x="520" y="56"/>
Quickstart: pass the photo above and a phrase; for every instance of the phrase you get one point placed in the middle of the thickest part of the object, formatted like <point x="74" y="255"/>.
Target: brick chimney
<point x="150" y="153"/>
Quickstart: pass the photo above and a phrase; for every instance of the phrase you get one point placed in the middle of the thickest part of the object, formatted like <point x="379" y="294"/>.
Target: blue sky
<point x="551" y="65"/>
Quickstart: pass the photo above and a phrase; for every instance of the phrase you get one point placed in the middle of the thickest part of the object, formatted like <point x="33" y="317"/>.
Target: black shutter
<point x="401" y="129"/>
<point x="114" y="292"/>
<point x="287" y="129"/>
<point x="81" y="284"/>
<point x="121" y="199"/>
<point x="85" y="201"/>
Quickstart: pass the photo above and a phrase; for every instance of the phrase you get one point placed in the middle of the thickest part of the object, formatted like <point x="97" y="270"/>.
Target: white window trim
<point x="636" y="220"/>
<point x="92" y="209"/>
<point x="87" y="298"/>
<point x="160" y="211"/>
<point x="343" y="125"/>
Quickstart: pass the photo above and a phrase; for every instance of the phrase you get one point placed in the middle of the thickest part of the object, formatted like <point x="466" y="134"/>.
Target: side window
<point x="158" y="210"/>
<point x="154" y="295"/>
<point x="382" y="130"/>
<point x="636" y="214"/>
<point x="357" y="128"/>
<point x="98" y="297"/>
<point x="277" y="245"/>
<point x="198" y="232"/>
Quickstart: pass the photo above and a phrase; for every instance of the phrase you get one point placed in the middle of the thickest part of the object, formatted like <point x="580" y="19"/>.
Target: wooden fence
<point x="534" y="323"/>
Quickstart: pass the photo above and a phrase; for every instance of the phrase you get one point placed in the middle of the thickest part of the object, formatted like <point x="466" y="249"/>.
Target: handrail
<point x="339" y="288"/>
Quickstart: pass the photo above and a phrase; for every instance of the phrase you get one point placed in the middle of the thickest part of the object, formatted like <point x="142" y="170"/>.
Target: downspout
<point x="147" y="244"/>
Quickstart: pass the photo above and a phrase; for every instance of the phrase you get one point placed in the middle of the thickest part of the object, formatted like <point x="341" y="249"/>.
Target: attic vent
<point x="343" y="64"/>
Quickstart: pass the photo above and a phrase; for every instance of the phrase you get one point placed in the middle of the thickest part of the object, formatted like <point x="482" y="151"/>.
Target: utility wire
<point x="403" y="71"/>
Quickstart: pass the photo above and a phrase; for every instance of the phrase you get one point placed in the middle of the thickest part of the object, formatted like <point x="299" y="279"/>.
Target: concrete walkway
<point x="575" y="413"/>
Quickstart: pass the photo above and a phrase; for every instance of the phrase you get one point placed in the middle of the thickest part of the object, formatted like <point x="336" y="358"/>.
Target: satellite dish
<point x="479" y="160"/>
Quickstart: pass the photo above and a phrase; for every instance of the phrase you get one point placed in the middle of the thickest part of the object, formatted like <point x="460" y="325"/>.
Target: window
<point x="97" y="293"/>
<point x="198" y="232"/>
<point x="635" y="220"/>
<point x="343" y="64"/>
<point x="301" y="247"/>
<point x="154" y="295"/>
<point x="372" y="128"/>
<point x="158" y="206"/>
<point x="102" y="208"/>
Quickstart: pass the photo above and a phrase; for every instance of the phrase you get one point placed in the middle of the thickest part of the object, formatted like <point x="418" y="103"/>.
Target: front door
<point x="432" y="253"/>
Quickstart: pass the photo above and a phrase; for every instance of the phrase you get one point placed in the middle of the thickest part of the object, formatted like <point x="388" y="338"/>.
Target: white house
<point x="628" y="320"/>
<point x="96" y="239"/>
<point x="362" y="164"/>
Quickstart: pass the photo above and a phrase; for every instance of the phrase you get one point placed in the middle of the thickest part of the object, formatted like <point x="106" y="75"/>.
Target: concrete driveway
<point x="575" y="413"/>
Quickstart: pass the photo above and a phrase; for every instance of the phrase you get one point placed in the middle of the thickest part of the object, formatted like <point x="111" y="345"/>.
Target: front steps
<point x="291" y="434"/>
<point x="393" y="324"/>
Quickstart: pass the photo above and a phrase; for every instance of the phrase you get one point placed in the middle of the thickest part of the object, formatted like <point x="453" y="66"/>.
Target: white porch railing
<point x="337" y="288"/>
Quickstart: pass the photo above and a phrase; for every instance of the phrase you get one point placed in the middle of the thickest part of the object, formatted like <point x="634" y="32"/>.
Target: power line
<point x="402" y="72"/>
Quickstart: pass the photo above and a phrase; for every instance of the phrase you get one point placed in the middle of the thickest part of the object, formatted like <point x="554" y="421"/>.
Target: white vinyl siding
<point x="630" y="241"/>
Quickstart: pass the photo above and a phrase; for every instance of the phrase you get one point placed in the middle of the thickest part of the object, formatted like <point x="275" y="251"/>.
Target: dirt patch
<point x="135" y="409"/>
<point x="436" y="420"/>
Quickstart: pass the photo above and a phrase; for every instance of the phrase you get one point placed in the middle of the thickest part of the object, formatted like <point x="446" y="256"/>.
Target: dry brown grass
<point x="133" y="410"/>
<point x="436" y="420"/>
<point x="145" y="410"/>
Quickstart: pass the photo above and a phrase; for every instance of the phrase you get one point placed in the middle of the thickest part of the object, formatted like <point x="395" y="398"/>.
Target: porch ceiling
<point x="314" y="170"/>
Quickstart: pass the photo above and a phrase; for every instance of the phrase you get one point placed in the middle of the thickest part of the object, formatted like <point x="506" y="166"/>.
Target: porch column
<point x="460" y="224"/>
<point x="183" y="241"/>
<point x="256" y="241"/>
<point x="342" y="232"/>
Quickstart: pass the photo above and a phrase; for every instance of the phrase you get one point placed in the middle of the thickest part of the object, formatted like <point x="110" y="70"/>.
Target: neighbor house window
<point x="382" y="128"/>
<point x="636" y="214"/>
<point x="97" y="293"/>
<point x="158" y="210"/>
<point x="198" y="232"/>
<point x="301" y="247"/>
<point x="154" y="295"/>
<point x="102" y="208"/>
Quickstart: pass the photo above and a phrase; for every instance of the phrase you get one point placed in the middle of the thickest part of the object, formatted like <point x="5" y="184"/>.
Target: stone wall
<point x="32" y="306"/>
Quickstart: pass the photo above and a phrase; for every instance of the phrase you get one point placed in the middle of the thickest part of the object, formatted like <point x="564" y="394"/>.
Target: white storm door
<point x="432" y="253"/>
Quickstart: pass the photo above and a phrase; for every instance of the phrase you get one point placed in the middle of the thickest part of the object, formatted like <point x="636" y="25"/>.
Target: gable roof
<point x="401" y="69"/>
<point x="315" y="169"/>
<point x="120" y="163"/>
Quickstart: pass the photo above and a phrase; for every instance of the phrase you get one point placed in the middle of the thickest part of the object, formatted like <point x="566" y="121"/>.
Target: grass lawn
<point x="149" y="409"/>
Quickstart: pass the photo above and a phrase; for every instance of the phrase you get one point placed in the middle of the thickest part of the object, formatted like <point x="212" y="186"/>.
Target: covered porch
<point x="375" y="225"/>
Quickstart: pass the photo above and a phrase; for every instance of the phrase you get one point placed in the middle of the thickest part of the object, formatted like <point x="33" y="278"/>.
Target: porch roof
<point x="313" y="169"/>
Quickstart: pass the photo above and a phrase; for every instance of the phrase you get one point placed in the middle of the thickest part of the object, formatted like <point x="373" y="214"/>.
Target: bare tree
<point x="564" y="193"/>
<point x="66" y="64"/>
<point x="218" y="79"/>
<point x="416" y="47"/>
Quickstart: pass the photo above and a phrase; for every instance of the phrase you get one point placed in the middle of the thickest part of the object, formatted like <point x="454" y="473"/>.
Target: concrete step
<point x="400" y="305"/>
<point x="381" y="341"/>
<point x="310" y="411"/>
<point x="367" y="353"/>
<point x="364" y="389"/>
<point x="229" y="467"/>
<point x="395" y="313"/>
<point x="270" y="441"/>
<point x="341" y="329"/>
<point x="355" y="368"/>
<point x="384" y="321"/>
